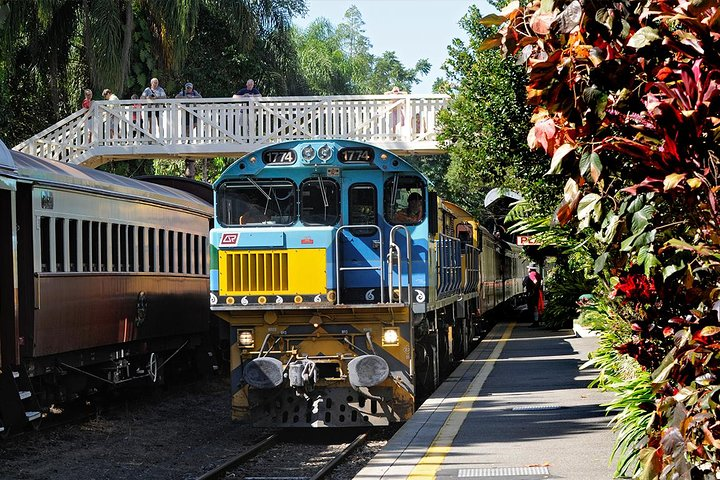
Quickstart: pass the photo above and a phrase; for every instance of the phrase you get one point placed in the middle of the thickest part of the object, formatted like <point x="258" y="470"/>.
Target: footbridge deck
<point x="210" y="127"/>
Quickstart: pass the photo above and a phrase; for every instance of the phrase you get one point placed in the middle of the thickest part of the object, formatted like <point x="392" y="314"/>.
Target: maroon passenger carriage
<point x="103" y="279"/>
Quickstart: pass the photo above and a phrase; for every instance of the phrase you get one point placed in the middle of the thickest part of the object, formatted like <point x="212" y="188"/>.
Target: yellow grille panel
<point x="258" y="272"/>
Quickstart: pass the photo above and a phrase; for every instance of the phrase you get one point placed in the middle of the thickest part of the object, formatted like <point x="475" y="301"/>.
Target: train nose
<point x="263" y="372"/>
<point x="367" y="370"/>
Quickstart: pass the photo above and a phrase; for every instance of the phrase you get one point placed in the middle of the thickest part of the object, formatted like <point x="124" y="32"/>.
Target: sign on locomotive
<point x="349" y="286"/>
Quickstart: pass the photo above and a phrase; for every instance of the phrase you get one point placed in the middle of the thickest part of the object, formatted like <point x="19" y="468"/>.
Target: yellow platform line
<point x="428" y="466"/>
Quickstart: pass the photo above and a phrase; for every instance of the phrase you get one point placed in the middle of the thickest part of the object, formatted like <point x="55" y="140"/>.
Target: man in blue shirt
<point x="249" y="90"/>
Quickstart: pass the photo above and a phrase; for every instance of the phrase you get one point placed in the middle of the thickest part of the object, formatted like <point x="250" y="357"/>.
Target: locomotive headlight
<point x="308" y="153"/>
<point x="324" y="153"/>
<point x="391" y="336"/>
<point x="246" y="338"/>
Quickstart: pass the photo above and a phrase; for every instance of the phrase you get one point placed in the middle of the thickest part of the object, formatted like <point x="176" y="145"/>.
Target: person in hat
<point x="189" y="91"/>
<point x="532" y="283"/>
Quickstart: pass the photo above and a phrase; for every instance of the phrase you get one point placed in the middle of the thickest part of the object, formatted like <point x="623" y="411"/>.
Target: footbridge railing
<point x="209" y="127"/>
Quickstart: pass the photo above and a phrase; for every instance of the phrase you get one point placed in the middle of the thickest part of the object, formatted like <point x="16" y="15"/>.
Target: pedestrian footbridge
<point x="211" y="127"/>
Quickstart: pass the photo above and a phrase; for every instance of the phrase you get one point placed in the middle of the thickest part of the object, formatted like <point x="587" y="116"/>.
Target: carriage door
<point x="8" y="279"/>
<point x="360" y="262"/>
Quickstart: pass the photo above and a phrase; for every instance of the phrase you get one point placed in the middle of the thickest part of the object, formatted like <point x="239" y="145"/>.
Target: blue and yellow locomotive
<point x="350" y="288"/>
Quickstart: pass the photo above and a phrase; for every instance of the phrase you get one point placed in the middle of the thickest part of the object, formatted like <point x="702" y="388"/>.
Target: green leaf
<point x="636" y="204"/>
<point x="641" y="218"/>
<point x="672" y="269"/>
<point x="492" y="20"/>
<point x="587" y="205"/>
<point x="600" y="263"/>
<point x="643" y="37"/>
<point x="596" y="166"/>
<point x="627" y="244"/>
<point x="560" y="153"/>
<point x="490" y="42"/>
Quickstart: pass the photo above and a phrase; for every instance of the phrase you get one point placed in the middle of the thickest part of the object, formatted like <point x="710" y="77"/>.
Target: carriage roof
<point x="28" y="168"/>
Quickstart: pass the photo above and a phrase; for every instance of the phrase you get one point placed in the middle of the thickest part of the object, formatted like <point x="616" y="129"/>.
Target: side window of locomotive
<point x="319" y="202"/>
<point x="404" y="200"/>
<point x="362" y="207"/>
<point x="464" y="233"/>
<point x="256" y="202"/>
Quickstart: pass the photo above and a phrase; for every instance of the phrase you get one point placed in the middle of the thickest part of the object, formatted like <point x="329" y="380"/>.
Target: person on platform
<point x="532" y="283"/>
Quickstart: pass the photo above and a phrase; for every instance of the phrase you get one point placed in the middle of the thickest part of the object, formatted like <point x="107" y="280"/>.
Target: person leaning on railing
<point x="154" y="92"/>
<point x="87" y="104"/>
<point x="110" y="96"/>
<point x="189" y="92"/>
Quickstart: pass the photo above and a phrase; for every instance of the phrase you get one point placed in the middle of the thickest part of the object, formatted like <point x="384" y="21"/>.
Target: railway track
<point x="280" y="453"/>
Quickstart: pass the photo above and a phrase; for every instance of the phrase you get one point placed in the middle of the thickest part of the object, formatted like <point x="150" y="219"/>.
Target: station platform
<point x="518" y="408"/>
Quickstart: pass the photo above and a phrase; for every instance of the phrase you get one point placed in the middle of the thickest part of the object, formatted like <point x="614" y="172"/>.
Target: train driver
<point x="252" y="215"/>
<point x="413" y="213"/>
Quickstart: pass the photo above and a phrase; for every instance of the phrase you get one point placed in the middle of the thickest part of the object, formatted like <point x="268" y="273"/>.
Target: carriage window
<point x="152" y="247"/>
<point x="362" y="207"/>
<point x="104" y="245"/>
<point x="60" y="245"/>
<point x="132" y="243"/>
<point x="123" y="248"/>
<point x="45" y="244"/>
<point x="319" y="202"/>
<point x="404" y="200"/>
<point x="162" y="245"/>
<point x="180" y="252"/>
<point x="141" y="246"/>
<point x="188" y="253"/>
<point x="115" y="234"/>
<point x="171" y="251"/>
<point x="73" y="245"/>
<point x="204" y="254"/>
<point x="256" y="202"/>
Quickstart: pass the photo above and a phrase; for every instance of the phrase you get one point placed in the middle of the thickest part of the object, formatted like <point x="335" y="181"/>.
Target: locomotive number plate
<point x="279" y="157"/>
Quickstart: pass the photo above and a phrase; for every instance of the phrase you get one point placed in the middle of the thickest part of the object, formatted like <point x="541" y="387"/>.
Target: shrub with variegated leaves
<point x="627" y="105"/>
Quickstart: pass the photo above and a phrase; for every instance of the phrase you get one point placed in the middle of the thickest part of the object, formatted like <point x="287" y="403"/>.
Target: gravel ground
<point x="176" y="434"/>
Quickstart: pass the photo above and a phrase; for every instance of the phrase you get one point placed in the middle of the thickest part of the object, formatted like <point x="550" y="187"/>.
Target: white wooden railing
<point x="186" y="128"/>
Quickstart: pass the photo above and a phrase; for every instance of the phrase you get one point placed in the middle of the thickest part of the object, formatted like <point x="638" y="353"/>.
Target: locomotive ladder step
<point x="24" y="394"/>
<point x="32" y="416"/>
<point x="16" y="374"/>
<point x="342" y="269"/>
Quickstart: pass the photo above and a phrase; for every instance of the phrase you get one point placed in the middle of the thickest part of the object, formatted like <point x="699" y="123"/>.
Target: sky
<point x="413" y="29"/>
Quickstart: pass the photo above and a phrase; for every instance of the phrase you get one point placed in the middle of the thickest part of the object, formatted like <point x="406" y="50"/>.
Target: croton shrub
<point x="627" y="106"/>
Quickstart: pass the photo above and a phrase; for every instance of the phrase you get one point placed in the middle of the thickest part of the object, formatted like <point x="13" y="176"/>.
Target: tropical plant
<point x="627" y="104"/>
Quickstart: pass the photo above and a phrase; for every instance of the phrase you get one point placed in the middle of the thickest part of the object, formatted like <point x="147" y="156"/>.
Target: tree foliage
<point x="626" y="102"/>
<point x="338" y="61"/>
<point x="486" y="124"/>
<point x="53" y="49"/>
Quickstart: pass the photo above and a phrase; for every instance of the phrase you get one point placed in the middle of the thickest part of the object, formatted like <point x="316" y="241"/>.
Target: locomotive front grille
<point x="272" y="272"/>
<point x="255" y="272"/>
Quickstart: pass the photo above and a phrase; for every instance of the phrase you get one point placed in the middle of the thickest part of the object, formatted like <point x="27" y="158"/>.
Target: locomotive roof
<point x="248" y="165"/>
<point x="48" y="171"/>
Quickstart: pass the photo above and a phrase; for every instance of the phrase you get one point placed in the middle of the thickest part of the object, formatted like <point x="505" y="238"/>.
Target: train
<point x="349" y="287"/>
<point x="103" y="281"/>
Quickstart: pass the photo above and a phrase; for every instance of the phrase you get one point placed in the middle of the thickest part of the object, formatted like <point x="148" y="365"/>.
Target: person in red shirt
<point x="86" y="104"/>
